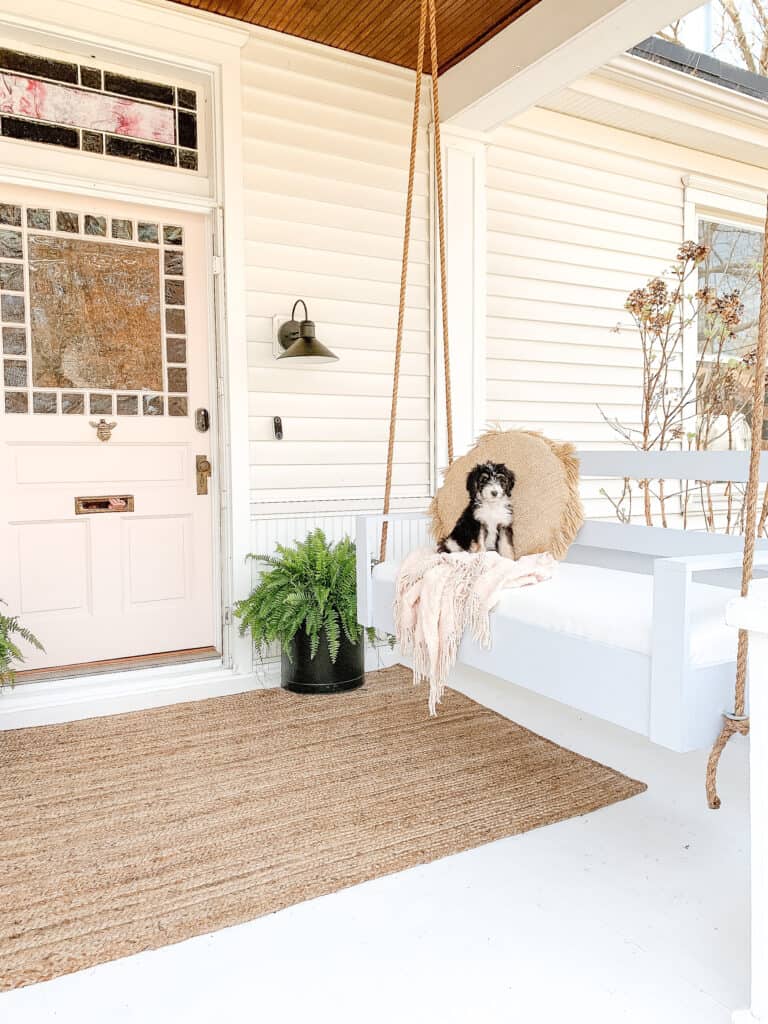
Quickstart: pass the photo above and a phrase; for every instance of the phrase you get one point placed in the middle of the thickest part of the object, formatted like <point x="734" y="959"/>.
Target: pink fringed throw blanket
<point x="439" y="595"/>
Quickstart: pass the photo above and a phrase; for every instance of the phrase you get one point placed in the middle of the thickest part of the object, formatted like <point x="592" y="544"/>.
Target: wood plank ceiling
<point x="375" y="28"/>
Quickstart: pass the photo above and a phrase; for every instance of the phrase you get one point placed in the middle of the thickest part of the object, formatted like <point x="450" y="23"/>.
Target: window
<point x="733" y="264"/>
<point x="729" y="284"/>
<point x="94" y="110"/>
<point x="91" y="307"/>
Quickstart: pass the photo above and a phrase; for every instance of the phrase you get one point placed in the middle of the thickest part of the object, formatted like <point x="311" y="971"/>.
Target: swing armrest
<point x="717" y="560"/>
<point x="672" y="686"/>
<point x="367" y="541"/>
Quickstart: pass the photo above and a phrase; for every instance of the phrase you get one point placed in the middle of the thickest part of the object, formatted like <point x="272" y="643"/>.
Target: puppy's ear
<point x="473" y="481"/>
<point x="505" y="474"/>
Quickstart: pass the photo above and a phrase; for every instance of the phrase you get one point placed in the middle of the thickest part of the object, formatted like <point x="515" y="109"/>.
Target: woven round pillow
<point x="546" y="507"/>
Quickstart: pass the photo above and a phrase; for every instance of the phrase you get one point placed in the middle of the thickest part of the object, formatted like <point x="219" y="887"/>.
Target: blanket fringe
<point x="439" y="596"/>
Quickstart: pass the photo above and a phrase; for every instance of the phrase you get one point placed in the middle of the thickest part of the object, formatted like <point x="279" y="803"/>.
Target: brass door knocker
<point x="103" y="429"/>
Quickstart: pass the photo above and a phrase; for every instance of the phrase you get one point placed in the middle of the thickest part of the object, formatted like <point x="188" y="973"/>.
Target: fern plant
<point x="310" y="585"/>
<point x="11" y="631"/>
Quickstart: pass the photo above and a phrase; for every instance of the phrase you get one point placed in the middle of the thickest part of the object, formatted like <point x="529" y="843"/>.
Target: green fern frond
<point x="11" y="631"/>
<point x="333" y="633"/>
<point x="310" y="585"/>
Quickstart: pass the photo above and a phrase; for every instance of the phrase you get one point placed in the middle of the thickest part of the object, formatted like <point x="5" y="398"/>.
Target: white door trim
<point x="208" y="46"/>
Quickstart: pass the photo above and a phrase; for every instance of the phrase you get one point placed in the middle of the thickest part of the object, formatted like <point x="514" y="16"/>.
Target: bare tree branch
<point x="733" y="15"/>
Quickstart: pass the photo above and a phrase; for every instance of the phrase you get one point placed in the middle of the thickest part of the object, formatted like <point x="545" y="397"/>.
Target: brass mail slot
<point x="104" y="503"/>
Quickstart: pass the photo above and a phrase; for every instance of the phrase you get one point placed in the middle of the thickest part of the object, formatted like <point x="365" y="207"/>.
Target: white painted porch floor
<point x="635" y="914"/>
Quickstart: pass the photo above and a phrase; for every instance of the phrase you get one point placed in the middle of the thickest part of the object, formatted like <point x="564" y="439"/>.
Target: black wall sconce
<point x="297" y="337"/>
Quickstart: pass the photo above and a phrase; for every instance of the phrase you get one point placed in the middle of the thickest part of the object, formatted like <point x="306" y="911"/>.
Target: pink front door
<point x="106" y="547"/>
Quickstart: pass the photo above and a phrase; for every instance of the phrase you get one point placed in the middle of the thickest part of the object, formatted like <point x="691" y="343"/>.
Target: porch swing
<point x="626" y="631"/>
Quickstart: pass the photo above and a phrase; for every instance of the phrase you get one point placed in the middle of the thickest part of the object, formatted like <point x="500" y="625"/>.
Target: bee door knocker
<point x="103" y="429"/>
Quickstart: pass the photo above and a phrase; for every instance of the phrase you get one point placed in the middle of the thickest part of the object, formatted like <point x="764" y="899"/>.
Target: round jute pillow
<point x="546" y="507"/>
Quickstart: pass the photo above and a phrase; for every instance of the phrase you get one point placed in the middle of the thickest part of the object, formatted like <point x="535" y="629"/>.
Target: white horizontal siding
<point x="579" y="214"/>
<point x="326" y="156"/>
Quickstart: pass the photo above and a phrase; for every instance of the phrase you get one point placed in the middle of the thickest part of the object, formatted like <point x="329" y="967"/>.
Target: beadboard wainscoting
<point x="267" y="533"/>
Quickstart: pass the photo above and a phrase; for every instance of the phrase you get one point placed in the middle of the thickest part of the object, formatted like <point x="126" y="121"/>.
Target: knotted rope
<point x="738" y="721"/>
<point x="428" y="13"/>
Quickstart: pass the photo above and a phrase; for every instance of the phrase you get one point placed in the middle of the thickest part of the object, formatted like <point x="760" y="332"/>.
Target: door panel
<point x="158" y="558"/>
<point x="79" y="464"/>
<point x="65" y="545"/>
<point x="105" y="319"/>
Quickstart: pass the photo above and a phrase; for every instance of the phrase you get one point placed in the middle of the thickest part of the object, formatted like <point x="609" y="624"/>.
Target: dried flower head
<point x="696" y="252"/>
<point x="727" y="308"/>
<point x="637" y="301"/>
<point x="653" y="306"/>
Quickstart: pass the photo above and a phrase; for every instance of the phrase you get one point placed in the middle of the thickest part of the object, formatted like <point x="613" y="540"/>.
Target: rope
<point x="428" y="13"/>
<point x="404" y="274"/>
<point x="738" y="721"/>
<point x="441" y="227"/>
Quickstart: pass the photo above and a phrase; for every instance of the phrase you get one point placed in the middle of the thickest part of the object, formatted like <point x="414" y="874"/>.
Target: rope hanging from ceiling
<point x="737" y="721"/>
<point x="427" y="22"/>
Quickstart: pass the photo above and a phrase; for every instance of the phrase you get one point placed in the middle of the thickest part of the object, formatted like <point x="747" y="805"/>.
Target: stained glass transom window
<point x="77" y="106"/>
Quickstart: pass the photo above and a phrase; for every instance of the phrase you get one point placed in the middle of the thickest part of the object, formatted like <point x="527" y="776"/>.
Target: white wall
<point x="578" y="215"/>
<point x="326" y="138"/>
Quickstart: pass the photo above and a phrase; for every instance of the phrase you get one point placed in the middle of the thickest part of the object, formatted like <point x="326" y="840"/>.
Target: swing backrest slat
<point x="670" y="465"/>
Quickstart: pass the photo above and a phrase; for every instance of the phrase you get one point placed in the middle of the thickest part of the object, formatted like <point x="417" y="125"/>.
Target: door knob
<point x="203" y="467"/>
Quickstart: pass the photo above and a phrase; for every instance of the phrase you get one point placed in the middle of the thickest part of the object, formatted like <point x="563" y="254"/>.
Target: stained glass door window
<point x="93" y="314"/>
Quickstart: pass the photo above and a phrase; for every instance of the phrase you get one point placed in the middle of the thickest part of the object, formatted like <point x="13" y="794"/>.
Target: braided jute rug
<point x="132" y="832"/>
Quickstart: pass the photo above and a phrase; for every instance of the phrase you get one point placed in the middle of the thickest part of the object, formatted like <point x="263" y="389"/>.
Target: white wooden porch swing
<point x="628" y="630"/>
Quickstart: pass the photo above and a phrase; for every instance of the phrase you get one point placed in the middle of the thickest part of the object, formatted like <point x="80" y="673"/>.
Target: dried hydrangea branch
<point x="663" y="313"/>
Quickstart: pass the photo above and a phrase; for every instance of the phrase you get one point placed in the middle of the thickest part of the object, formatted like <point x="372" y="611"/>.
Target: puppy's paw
<point x="448" y="546"/>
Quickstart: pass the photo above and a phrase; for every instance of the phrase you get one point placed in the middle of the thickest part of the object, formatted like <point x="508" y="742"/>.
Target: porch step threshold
<point x="94" y="696"/>
<point x="115" y="665"/>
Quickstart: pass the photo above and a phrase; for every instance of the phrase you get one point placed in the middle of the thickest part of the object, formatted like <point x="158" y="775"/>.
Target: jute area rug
<point x="132" y="832"/>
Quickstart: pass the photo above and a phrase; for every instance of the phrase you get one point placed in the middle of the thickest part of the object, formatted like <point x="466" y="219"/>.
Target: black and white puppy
<point x="486" y="522"/>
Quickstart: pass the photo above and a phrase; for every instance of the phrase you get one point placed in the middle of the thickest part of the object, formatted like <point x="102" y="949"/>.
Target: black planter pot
<point x="303" y="674"/>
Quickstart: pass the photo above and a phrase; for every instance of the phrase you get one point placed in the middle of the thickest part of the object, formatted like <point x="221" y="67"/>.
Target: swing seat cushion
<point x="603" y="606"/>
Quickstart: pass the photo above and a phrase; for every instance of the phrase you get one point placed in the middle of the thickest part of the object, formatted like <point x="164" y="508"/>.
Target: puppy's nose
<point x="494" y="493"/>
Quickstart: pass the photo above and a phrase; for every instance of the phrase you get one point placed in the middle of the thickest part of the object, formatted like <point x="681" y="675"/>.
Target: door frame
<point x="184" y="44"/>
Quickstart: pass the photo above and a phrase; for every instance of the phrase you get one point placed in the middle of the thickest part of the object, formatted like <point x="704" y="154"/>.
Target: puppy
<point x="486" y="522"/>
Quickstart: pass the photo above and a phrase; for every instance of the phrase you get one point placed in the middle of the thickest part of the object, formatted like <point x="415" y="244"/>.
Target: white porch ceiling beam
<point x="553" y="44"/>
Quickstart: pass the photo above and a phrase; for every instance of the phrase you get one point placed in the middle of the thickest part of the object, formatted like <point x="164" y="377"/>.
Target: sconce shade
<point x="299" y="341"/>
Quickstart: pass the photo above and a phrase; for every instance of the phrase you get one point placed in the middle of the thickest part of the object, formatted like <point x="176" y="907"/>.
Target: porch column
<point x="752" y="613"/>
<point x="465" y="222"/>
